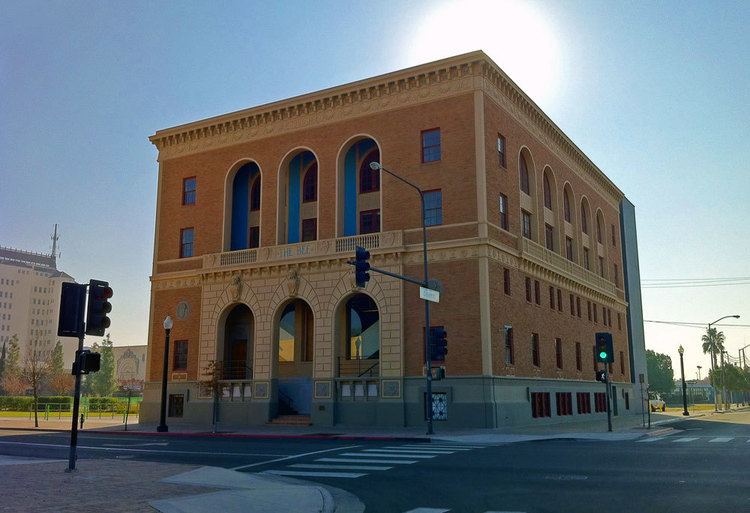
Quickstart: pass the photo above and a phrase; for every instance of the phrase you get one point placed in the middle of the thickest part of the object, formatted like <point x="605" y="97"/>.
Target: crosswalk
<point x="355" y="464"/>
<point x="442" y="510"/>
<point x="676" y="439"/>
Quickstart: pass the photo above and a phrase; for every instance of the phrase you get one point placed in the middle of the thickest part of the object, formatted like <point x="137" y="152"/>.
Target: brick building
<point x="259" y="210"/>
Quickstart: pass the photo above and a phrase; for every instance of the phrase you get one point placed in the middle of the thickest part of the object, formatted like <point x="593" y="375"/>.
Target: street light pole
<point x="376" y="166"/>
<point x="713" y="358"/>
<point x="162" y="427"/>
<point x="681" y="350"/>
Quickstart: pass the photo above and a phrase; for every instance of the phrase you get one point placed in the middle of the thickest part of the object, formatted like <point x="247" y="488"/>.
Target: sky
<point x="657" y="94"/>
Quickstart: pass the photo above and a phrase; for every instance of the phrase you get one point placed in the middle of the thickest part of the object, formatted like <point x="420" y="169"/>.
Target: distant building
<point x="30" y="287"/>
<point x="130" y="365"/>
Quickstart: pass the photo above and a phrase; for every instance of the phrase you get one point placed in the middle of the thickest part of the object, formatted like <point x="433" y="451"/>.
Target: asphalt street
<point x="699" y="467"/>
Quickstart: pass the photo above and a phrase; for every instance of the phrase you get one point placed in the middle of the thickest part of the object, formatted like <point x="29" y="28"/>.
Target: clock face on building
<point x="183" y="309"/>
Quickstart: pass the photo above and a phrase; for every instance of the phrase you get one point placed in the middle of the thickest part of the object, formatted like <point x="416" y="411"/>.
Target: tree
<point x="12" y="383"/>
<point x="60" y="381"/>
<point x="2" y="367"/>
<point x="104" y="382"/>
<point x="713" y="343"/>
<point x="660" y="372"/>
<point x="33" y="374"/>
<point x="211" y="384"/>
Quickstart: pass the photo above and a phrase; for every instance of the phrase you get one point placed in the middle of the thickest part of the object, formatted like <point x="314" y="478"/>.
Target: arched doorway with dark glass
<point x="358" y="337"/>
<point x="235" y="348"/>
<point x="294" y="348"/>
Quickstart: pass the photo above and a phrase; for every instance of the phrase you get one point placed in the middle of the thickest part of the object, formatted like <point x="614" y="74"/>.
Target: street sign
<point x="429" y="294"/>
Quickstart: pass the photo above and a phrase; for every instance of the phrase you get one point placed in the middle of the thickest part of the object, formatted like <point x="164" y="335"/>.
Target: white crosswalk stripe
<point x="684" y="440"/>
<point x="339" y="467"/>
<point x="721" y="439"/>
<point x="296" y="473"/>
<point x="413" y="451"/>
<point x="368" y="461"/>
<point x="427" y="510"/>
<point x="386" y="454"/>
<point x="650" y="440"/>
<point x="446" y="446"/>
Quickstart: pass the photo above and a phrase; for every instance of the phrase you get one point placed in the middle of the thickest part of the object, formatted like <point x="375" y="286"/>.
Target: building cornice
<point x="419" y="84"/>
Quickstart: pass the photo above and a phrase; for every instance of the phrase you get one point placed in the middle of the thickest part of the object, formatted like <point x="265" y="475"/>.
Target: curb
<point x="658" y="432"/>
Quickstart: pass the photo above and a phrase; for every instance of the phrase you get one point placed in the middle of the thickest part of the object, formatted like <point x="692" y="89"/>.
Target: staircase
<point x="291" y="420"/>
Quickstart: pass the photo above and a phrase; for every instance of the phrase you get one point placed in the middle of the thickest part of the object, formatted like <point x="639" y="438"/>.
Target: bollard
<point x="81" y="420"/>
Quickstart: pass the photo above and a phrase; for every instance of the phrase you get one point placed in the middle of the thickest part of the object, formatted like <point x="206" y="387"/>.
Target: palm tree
<point x="713" y="342"/>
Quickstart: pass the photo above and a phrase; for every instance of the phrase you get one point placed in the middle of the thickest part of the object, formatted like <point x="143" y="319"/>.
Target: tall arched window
<point x="566" y="206"/>
<point x="599" y="229"/>
<point x="524" y="175"/>
<point x="547" y="193"/>
<point x="310" y="183"/>
<point x="369" y="179"/>
<point x="584" y="219"/>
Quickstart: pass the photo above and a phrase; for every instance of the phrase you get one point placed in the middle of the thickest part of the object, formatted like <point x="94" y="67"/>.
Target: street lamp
<point x="681" y="350"/>
<point x="162" y="427"/>
<point x="699" y="372"/>
<point x="376" y="166"/>
<point x="713" y="358"/>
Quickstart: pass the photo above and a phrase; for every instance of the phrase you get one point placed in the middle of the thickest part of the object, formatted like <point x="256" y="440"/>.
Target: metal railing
<point x="236" y="369"/>
<point x="358" y="367"/>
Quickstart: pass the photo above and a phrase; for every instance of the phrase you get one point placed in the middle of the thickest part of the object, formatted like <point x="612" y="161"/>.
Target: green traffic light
<point x="603" y="355"/>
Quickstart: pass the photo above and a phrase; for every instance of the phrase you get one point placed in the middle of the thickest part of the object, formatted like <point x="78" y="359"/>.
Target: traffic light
<point x="361" y="266"/>
<point x="72" y="310"/>
<point x="87" y="362"/>
<point x="604" y="348"/>
<point x="438" y="344"/>
<point x="98" y="307"/>
<point x="601" y="376"/>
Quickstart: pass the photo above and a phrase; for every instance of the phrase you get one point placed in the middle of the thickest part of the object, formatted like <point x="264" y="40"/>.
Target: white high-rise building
<point x="30" y="287"/>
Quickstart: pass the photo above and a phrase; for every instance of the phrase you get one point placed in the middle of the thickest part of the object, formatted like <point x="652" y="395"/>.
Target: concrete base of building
<point x="461" y="402"/>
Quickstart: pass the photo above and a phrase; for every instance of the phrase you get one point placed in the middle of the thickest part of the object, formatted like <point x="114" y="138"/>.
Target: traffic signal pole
<point x="609" y="409"/>
<point x="76" y="406"/>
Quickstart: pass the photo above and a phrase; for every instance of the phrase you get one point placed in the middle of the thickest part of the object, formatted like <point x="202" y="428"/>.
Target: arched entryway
<point x="358" y="337"/>
<point x="236" y="348"/>
<point x="294" y="345"/>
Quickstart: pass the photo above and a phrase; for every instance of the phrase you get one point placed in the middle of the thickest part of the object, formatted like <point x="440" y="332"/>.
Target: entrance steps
<point x="291" y="420"/>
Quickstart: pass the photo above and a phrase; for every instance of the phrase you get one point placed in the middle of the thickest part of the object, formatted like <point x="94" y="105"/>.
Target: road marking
<point x="439" y="447"/>
<point x="386" y="455"/>
<point x="93" y="448"/>
<point x="721" y="439"/>
<point x="415" y="451"/>
<point x="684" y="440"/>
<point x="338" y="467"/>
<point x="348" y="475"/>
<point x="649" y="440"/>
<point x="374" y="462"/>
<point x="293" y="456"/>
<point x="427" y="510"/>
<point x="163" y="444"/>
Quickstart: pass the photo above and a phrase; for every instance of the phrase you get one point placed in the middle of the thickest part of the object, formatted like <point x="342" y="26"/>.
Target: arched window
<point x="566" y="206"/>
<point x="369" y="179"/>
<point x="255" y="195"/>
<point x="524" y="175"/>
<point x="599" y="230"/>
<point x="584" y="219"/>
<point x="310" y="183"/>
<point x="547" y="193"/>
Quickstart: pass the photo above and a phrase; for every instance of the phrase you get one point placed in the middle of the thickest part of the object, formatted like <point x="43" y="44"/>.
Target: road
<point x="699" y="467"/>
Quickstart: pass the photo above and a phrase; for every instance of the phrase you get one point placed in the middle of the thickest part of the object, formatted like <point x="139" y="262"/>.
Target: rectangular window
<point x="578" y="307"/>
<point x="549" y="237"/>
<point x="180" y="355"/>
<point x="186" y="242"/>
<point x="535" y="349"/>
<point x="616" y="274"/>
<point x="540" y="406"/>
<point x="525" y="224"/>
<point x="627" y="401"/>
<point x="501" y="150"/>
<point x="253" y="237"/>
<point x="309" y="229"/>
<point x="506" y="280"/>
<point x="588" y="307"/>
<point x="619" y="321"/>
<point x="188" y="191"/>
<point x="569" y="248"/>
<point x="503" y="211"/>
<point x="601" y="267"/>
<point x="600" y="400"/>
<point x="559" y="300"/>
<point x="558" y="353"/>
<point x="584" y="402"/>
<point x="622" y="362"/>
<point x="176" y="405"/>
<point x="431" y="145"/>
<point x="564" y="402"/>
<point x="552" y="297"/>
<point x="509" y="345"/>
<point x="613" y="236"/>
<point x="537" y="295"/>
<point x="369" y="221"/>
<point x="586" y="259"/>
<point x="579" y="364"/>
<point x="528" y="289"/>
<point x="572" y="305"/>
<point x="596" y="313"/>
<point x="433" y="206"/>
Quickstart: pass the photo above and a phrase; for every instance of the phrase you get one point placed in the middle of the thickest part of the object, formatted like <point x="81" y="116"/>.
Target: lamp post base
<point x="162" y="428"/>
<point x="685" y="413"/>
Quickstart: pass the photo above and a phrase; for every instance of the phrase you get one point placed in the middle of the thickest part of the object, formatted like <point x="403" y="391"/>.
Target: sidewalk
<point x="121" y="486"/>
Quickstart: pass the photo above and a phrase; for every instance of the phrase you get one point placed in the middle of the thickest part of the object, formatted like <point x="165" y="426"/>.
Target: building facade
<point x="130" y="366"/>
<point x="30" y="288"/>
<point x="259" y="211"/>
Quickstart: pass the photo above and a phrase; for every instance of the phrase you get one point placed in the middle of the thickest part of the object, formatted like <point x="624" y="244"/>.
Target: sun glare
<point x="515" y="34"/>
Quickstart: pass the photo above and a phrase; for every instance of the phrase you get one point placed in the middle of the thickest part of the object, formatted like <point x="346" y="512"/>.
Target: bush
<point x="65" y="403"/>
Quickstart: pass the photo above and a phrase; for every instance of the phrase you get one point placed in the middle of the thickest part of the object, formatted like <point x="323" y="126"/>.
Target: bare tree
<point x="34" y="373"/>
<point x="211" y="383"/>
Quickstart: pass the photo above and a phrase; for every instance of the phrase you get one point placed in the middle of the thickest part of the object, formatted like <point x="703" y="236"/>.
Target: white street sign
<point x="429" y="294"/>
